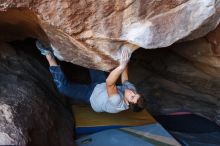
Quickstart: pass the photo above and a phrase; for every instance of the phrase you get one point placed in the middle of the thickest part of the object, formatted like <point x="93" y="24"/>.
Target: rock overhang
<point x="92" y="33"/>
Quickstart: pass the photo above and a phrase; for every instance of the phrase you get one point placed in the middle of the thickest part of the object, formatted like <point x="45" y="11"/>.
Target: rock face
<point x="92" y="33"/>
<point x="171" y="83"/>
<point x="31" y="112"/>
<point x="203" y="53"/>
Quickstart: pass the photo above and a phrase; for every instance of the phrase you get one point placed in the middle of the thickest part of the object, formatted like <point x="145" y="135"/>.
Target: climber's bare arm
<point x="124" y="75"/>
<point x="115" y="74"/>
<point x="111" y="80"/>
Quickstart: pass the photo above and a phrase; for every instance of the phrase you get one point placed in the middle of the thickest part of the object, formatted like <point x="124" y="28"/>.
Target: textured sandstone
<point x="91" y="33"/>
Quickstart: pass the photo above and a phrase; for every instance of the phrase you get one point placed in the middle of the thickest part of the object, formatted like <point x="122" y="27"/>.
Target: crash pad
<point x="147" y="135"/>
<point x="87" y="121"/>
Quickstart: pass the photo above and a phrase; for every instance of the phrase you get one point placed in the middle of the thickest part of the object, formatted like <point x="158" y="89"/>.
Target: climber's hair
<point x="139" y="106"/>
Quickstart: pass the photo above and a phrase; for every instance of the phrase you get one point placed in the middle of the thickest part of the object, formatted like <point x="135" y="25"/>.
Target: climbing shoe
<point x="43" y="50"/>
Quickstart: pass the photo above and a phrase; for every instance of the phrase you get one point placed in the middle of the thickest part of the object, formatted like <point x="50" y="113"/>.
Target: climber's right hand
<point x="125" y="57"/>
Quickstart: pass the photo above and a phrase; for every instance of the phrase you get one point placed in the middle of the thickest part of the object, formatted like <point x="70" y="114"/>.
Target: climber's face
<point x="130" y="96"/>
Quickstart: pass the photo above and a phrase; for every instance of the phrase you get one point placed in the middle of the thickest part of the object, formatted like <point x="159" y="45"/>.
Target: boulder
<point x="92" y="33"/>
<point x="31" y="111"/>
<point x="171" y="83"/>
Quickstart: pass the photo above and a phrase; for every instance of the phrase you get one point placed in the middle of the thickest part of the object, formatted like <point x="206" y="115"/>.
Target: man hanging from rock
<point x="102" y="93"/>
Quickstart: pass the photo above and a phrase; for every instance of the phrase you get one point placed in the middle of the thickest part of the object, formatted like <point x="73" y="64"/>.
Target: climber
<point x="102" y="93"/>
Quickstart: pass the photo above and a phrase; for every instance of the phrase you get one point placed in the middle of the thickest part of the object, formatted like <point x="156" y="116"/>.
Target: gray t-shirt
<point x="101" y="102"/>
